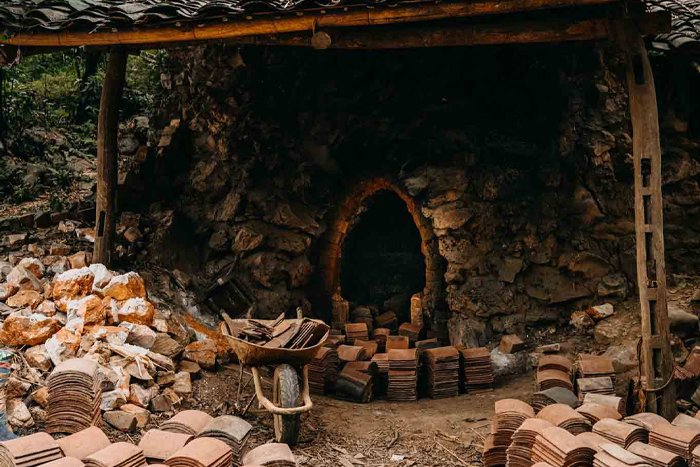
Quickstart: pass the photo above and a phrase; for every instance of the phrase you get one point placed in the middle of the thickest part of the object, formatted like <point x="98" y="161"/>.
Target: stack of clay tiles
<point x="29" y="451"/>
<point x="323" y="370"/>
<point x="621" y="433"/>
<point x="351" y="353"/>
<point x="657" y="457"/>
<point x="559" y="448"/>
<point x="158" y="445"/>
<point x="646" y="420"/>
<point x="396" y="343"/>
<point x="74" y="396"/>
<point x="519" y="453"/>
<point x="382" y="382"/>
<point x="356" y="331"/>
<point x="510" y="415"/>
<point x="116" y="455"/>
<point x="603" y="385"/>
<point x="83" y="443"/>
<point x="554" y="371"/>
<point x="355" y="385"/>
<point x="187" y="422"/>
<point x="476" y="369"/>
<point x="685" y="421"/>
<point x="596" y="412"/>
<point x="412" y="331"/>
<point x="565" y="417"/>
<point x="595" y="374"/>
<point x="202" y="452"/>
<point x="594" y="440"/>
<point x="270" y="455"/>
<point x="233" y="431"/>
<point x="676" y="439"/>
<point x="612" y="455"/>
<point x="555" y="395"/>
<point x="617" y="403"/>
<point x="370" y="347"/>
<point x="380" y="335"/>
<point x="382" y="361"/>
<point x="403" y="375"/>
<point x="442" y="371"/>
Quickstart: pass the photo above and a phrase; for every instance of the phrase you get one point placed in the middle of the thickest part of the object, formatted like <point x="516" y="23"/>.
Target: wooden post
<point x="107" y="166"/>
<point x="659" y="393"/>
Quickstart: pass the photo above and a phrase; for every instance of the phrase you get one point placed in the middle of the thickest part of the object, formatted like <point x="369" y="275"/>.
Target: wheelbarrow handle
<point x="272" y="408"/>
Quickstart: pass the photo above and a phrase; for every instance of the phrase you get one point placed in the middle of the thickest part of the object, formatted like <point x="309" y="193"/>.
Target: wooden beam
<point x="309" y="20"/>
<point x="107" y="157"/>
<point x="462" y="35"/>
<point x="657" y="359"/>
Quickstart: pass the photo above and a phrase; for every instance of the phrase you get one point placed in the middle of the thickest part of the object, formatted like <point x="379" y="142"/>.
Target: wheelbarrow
<point x="284" y="407"/>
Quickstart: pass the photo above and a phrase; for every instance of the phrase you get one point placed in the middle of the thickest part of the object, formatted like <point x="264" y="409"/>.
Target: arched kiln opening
<point x="381" y="258"/>
<point x="349" y="215"/>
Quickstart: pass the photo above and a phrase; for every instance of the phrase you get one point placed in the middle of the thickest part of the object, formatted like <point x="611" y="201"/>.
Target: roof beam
<point x="463" y="35"/>
<point x="277" y="23"/>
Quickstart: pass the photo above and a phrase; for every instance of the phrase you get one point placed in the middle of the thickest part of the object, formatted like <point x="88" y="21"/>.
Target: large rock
<point x="18" y="414"/>
<point x="37" y="357"/>
<point x="24" y="279"/>
<point x="41" y="397"/>
<point x="183" y="385"/>
<point x="7" y="290"/>
<point x="103" y="276"/>
<point x="89" y="309"/>
<point x="140" y="335"/>
<point x="166" y="345"/>
<point x="624" y="356"/>
<point x="16" y="388"/>
<point x="56" y="264"/>
<point x="142" y="415"/>
<point x="122" y="421"/>
<point x="613" y="287"/>
<point x="47" y="307"/>
<point x="125" y="287"/>
<point x="138" y="311"/>
<point x="34" y="266"/>
<point x="509" y="364"/>
<point x="72" y="285"/>
<point x="621" y="327"/>
<point x="24" y="299"/>
<point x="139" y="395"/>
<point x="203" y="352"/>
<point x="63" y="346"/>
<point x="110" y="334"/>
<point x="682" y="323"/>
<point x="112" y="400"/>
<point x="34" y="329"/>
<point x="161" y="361"/>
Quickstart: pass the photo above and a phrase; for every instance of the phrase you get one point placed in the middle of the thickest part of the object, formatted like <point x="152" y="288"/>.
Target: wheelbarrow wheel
<point x="286" y="395"/>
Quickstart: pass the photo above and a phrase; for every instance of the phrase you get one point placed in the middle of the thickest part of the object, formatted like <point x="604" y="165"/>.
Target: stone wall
<point x="515" y="163"/>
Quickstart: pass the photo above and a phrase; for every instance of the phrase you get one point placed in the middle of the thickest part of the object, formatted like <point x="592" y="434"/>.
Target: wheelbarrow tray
<point x="250" y="354"/>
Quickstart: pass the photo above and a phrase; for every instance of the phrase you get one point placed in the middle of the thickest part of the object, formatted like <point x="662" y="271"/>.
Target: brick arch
<point x="341" y="221"/>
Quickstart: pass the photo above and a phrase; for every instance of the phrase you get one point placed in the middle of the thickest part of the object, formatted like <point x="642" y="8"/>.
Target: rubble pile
<point x="62" y="307"/>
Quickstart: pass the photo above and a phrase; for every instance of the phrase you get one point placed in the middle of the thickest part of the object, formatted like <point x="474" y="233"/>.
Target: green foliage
<point x="53" y="96"/>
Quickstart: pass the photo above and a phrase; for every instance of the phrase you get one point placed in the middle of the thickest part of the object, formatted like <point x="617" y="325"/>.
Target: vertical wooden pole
<point x="107" y="166"/>
<point x="657" y="358"/>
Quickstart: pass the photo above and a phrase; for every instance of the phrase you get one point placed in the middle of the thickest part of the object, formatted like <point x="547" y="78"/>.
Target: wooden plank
<point x="107" y="157"/>
<point x="657" y="364"/>
<point x="309" y="20"/>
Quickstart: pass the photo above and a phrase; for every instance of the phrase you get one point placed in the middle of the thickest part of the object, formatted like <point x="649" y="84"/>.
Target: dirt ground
<point x="428" y="432"/>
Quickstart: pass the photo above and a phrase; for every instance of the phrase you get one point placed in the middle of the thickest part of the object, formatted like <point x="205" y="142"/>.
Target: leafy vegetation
<point x="50" y="106"/>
